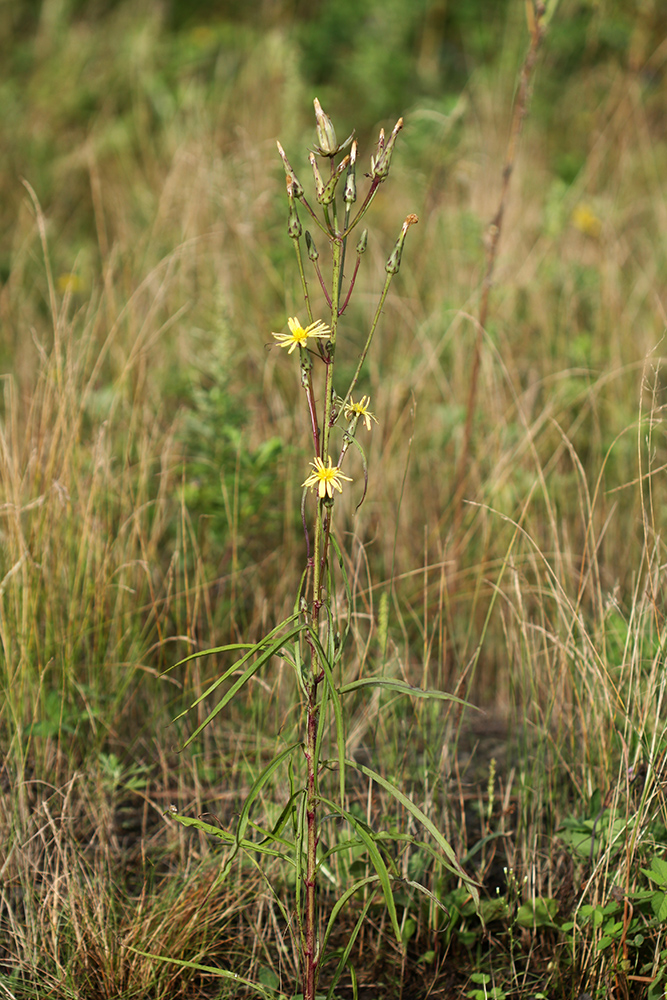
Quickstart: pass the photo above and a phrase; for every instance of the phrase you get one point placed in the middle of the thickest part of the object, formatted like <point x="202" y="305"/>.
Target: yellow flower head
<point x="360" y="409"/>
<point x="586" y="221"/>
<point x="298" y="336"/>
<point x="327" y="479"/>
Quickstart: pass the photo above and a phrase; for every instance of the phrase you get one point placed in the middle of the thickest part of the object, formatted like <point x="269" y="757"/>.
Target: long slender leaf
<point x="234" y="977"/>
<point x="232" y="645"/>
<point x="244" y="818"/>
<point x="348" y="593"/>
<point x="251" y="648"/>
<point x="377" y="861"/>
<point x="452" y="861"/>
<point x="257" y="786"/>
<point x="338" y="716"/>
<point x="344" y="958"/>
<point x="285" y="815"/>
<point x="230" y="838"/>
<point x="364" y="464"/>
<point x="427" y="892"/>
<point x="401" y="687"/>
<point x="240" y="681"/>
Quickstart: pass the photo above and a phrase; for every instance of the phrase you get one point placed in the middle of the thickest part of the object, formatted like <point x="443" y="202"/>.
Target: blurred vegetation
<point x="152" y="443"/>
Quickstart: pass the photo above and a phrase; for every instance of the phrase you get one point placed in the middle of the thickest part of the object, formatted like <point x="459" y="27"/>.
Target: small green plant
<point x="484" y="992"/>
<point x="314" y="767"/>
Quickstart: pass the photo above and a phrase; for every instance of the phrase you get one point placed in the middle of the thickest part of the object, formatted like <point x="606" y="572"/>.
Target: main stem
<point x="322" y="529"/>
<point x="311" y="957"/>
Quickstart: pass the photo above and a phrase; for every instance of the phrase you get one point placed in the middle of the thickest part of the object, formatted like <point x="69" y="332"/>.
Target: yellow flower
<point x="586" y="221"/>
<point x="69" y="283"/>
<point x="326" y="479"/>
<point x="298" y="337"/>
<point x="360" y="409"/>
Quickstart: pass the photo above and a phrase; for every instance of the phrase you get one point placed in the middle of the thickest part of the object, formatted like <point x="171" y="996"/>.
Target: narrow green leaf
<point x="348" y="592"/>
<point x="230" y="838"/>
<point x="220" y="973"/>
<point x="240" y="682"/>
<point x="232" y="645"/>
<point x="402" y="688"/>
<point x="427" y="892"/>
<point x="345" y="957"/>
<point x="342" y="901"/>
<point x="257" y="786"/>
<point x="452" y="861"/>
<point x="338" y="715"/>
<point x="244" y="818"/>
<point x="285" y="815"/>
<point x="364" y="464"/>
<point x="377" y="861"/>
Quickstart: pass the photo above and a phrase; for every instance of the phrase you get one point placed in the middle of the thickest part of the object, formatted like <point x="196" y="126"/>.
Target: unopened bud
<point x="312" y="249"/>
<point x="394" y="260"/>
<point x="329" y="191"/>
<point x="319" y="183"/>
<point x="294" y="188"/>
<point x="379" y="148"/>
<point x="381" y="162"/>
<point x="294" y="228"/>
<point x="326" y="134"/>
<point x="363" y="242"/>
<point x="350" y="193"/>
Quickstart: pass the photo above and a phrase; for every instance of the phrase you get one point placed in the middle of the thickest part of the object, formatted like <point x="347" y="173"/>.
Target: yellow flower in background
<point x="69" y="283"/>
<point x="326" y="478"/>
<point x="298" y="336"/>
<point x="586" y="221"/>
<point x="360" y="409"/>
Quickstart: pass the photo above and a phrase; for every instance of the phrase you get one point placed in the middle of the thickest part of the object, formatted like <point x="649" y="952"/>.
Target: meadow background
<point x="153" y="442"/>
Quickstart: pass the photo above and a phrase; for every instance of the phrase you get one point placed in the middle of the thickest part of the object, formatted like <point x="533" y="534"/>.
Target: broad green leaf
<point x="537" y="913"/>
<point x="659" y="906"/>
<point x="659" y="870"/>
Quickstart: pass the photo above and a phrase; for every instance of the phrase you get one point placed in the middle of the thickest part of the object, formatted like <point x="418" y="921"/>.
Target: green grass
<point x="151" y="451"/>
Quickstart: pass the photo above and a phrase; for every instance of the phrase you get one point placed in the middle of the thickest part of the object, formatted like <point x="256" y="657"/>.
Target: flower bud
<point x="293" y="186"/>
<point x="319" y="183"/>
<point x="350" y="193"/>
<point x="312" y="249"/>
<point x="381" y="162"/>
<point x="394" y="260"/>
<point x="326" y="134"/>
<point x="294" y="228"/>
<point x="330" y="187"/>
<point x="363" y="242"/>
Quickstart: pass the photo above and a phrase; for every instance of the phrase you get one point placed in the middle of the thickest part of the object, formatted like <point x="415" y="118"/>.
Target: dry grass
<point x="550" y="617"/>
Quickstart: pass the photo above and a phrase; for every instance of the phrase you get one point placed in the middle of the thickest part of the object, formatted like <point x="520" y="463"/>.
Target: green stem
<point x="317" y="572"/>
<point x="304" y="280"/>
<point x="372" y="191"/>
<point x="310" y="956"/>
<point x="369" y="338"/>
<point x="337" y="252"/>
<point x="306" y="364"/>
